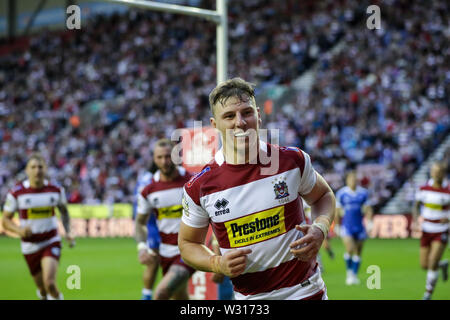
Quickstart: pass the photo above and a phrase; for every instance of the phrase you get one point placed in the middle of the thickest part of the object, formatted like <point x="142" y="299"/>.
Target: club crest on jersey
<point x="281" y="189"/>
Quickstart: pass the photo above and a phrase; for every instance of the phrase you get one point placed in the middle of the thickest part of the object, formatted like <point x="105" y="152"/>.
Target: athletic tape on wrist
<point x="214" y="262"/>
<point x="322" y="222"/>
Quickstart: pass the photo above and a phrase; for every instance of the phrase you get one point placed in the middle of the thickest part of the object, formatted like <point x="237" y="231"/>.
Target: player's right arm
<point x="7" y="222"/>
<point x="191" y="242"/>
<point x="145" y="255"/>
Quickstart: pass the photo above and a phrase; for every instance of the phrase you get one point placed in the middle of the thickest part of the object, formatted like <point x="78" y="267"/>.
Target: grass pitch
<point x="109" y="270"/>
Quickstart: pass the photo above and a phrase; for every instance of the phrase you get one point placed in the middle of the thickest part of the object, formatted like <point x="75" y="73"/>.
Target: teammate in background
<point x="162" y="197"/>
<point x="35" y="200"/>
<point x="352" y="205"/>
<point x="153" y="242"/>
<point x="268" y="250"/>
<point x="433" y="201"/>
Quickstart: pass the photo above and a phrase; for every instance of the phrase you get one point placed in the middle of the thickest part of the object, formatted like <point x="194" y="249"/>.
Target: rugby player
<point x="162" y="197"/>
<point x="433" y="203"/>
<point x="35" y="199"/>
<point x="352" y="205"/>
<point x="267" y="248"/>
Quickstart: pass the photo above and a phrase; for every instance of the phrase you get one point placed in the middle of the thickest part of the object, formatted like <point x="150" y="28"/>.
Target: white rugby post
<point x="219" y="17"/>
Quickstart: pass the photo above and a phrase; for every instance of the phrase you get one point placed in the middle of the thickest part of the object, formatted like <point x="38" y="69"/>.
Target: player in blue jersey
<point x="352" y="202"/>
<point x="153" y="241"/>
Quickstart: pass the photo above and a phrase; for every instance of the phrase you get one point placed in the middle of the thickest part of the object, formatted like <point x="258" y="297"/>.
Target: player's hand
<point x="25" y="232"/>
<point x="70" y="240"/>
<point x="147" y="256"/>
<point x="307" y="247"/>
<point x="415" y="226"/>
<point x="369" y="226"/>
<point x="233" y="262"/>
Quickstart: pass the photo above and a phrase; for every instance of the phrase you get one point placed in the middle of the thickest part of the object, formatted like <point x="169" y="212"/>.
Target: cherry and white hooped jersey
<point x="250" y="210"/>
<point x="435" y="206"/>
<point x="36" y="209"/>
<point x="163" y="198"/>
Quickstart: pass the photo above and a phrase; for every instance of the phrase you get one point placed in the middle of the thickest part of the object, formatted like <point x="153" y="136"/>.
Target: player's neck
<point x="36" y="184"/>
<point x="235" y="157"/>
<point x="169" y="177"/>
<point x="437" y="184"/>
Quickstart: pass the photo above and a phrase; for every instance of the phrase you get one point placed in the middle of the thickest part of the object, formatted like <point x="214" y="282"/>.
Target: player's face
<point x="35" y="170"/>
<point x="162" y="158"/>
<point x="238" y="121"/>
<point x="351" y="180"/>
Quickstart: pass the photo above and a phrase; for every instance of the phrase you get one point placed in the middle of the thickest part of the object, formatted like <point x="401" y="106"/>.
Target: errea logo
<point x="221" y="205"/>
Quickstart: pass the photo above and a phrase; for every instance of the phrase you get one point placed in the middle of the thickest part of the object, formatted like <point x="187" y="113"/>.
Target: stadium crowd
<point x="94" y="101"/>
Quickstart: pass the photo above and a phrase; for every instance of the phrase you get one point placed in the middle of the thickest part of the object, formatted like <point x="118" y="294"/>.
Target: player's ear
<point x="212" y="121"/>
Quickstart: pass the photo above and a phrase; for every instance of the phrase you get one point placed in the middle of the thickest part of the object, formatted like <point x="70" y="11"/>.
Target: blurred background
<point x="93" y="101"/>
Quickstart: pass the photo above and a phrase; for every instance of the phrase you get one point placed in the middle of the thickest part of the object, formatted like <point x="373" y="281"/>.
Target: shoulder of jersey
<point x="199" y="177"/>
<point x="19" y="186"/>
<point x="147" y="188"/>
<point x="290" y="151"/>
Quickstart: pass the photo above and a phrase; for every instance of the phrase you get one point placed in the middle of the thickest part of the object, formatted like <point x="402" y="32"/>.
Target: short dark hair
<point x="236" y="87"/>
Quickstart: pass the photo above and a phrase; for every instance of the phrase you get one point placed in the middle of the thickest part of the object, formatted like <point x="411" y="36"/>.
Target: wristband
<point x="142" y="246"/>
<point x="214" y="263"/>
<point x="323" y="224"/>
<point x="322" y="227"/>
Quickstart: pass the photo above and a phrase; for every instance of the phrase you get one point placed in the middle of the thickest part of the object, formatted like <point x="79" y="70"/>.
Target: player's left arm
<point x="322" y="201"/>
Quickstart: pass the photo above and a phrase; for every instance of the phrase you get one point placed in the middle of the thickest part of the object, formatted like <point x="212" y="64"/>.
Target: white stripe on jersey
<point x="37" y="200"/>
<point x="168" y="250"/>
<point x="434" y="227"/>
<point x="296" y="292"/>
<point x="168" y="225"/>
<point x="40" y="225"/>
<point x="32" y="247"/>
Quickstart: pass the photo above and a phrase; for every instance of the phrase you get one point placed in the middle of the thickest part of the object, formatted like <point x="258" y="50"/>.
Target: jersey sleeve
<point x="143" y="206"/>
<point x="193" y="214"/>
<point x="10" y="203"/>
<point x="418" y="195"/>
<point x="308" y="178"/>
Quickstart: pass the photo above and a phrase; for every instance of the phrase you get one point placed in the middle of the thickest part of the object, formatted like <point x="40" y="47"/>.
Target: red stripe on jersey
<point x="39" y="237"/>
<point x="440" y="190"/>
<point x="47" y="188"/>
<point x="155" y="186"/>
<point x="23" y="214"/>
<point x="433" y="221"/>
<point x="227" y="176"/>
<point x="285" y="275"/>
<point x="293" y="215"/>
<point x="169" y="238"/>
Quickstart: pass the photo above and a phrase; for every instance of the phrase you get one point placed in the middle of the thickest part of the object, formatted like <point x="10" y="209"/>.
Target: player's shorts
<point x="153" y="237"/>
<point x="34" y="259"/>
<point x="428" y="237"/>
<point x="357" y="235"/>
<point x="166" y="263"/>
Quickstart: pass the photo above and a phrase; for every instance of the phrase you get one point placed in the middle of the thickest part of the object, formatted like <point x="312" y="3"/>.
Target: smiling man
<point x="257" y="218"/>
